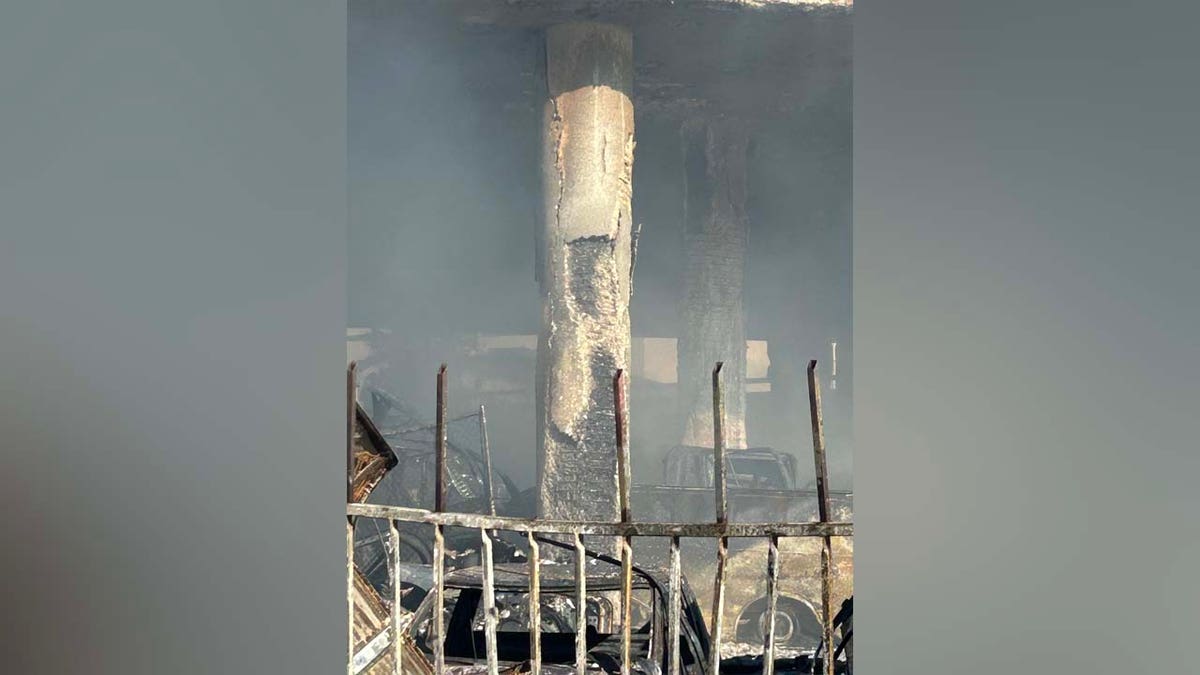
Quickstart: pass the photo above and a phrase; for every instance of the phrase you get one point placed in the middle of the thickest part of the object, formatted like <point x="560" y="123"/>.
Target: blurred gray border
<point x="172" y="336"/>
<point x="1025" y="326"/>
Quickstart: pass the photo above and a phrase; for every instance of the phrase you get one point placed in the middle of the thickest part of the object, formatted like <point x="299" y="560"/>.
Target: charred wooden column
<point x="585" y="252"/>
<point x="714" y="235"/>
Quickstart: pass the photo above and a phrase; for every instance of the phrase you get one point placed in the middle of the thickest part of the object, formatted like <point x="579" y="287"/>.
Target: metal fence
<point x="624" y="531"/>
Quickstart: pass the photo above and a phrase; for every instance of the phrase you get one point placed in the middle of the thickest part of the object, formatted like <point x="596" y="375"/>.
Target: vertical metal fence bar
<point x="623" y="479"/>
<point x="818" y="432"/>
<point x="439" y="599"/>
<point x="580" y="606"/>
<point x="489" y="603"/>
<point x="722" y="516"/>
<point x="772" y="604"/>
<point x="722" y="495"/>
<point x="439" y="492"/>
<point x="350" y="401"/>
<point x="350" y="595"/>
<point x="439" y="535"/>
<point x="351" y="386"/>
<point x="626" y="604"/>
<point x="826" y="602"/>
<point x="397" y="608"/>
<point x="486" y="448"/>
<point x="535" y="607"/>
<point x="719" y="603"/>
<point x="675" y="598"/>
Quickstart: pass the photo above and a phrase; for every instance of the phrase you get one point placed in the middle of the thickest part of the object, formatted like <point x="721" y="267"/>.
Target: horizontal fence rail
<point x="584" y="527"/>
<point x="624" y="531"/>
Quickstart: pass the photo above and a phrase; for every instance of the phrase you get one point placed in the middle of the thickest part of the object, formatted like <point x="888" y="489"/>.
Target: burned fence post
<point x="580" y="606"/>
<point x="489" y="603"/>
<point x="397" y="595"/>
<point x="718" y="404"/>
<point x="439" y="535"/>
<point x="351" y="403"/>
<point x="350" y="595"/>
<point x="818" y="434"/>
<point x="485" y="538"/>
<point x="535" y="605"/>
<point x="623" y="479"/>
<point x="486" y="449"/>
<point x="439" y="480"/>
<point x="722" y="515"/>
<point x="350" y="410"/>
<point x="675" y="593"/>
<point x="772" y="604"/>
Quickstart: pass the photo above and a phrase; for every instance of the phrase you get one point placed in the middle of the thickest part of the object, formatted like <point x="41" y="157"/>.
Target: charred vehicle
<point x="465" y="650"/>
<point x="762" y="487"/>
<point x="464" y="646"/>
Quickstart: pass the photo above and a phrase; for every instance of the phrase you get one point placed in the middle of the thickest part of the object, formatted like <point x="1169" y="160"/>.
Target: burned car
<point x="762" y="486"/>
<point x="464" y="645"/>
<point x="465" y="649"/>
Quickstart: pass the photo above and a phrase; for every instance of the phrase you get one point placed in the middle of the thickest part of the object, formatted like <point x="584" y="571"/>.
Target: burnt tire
<point x="796" y="624"/>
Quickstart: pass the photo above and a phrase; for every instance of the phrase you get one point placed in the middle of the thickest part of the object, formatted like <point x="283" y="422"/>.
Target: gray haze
<point x="443" y="201"/>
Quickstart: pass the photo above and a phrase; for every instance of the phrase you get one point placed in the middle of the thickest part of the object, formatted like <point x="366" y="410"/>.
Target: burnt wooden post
<point x="584" y="265"/>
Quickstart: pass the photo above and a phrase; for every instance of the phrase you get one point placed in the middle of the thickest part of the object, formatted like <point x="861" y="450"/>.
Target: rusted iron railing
<point x="624" y="530"/>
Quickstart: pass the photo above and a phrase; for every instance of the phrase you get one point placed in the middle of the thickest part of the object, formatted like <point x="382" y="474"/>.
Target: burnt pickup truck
<point x="761" y="487"/>
<point x="761" y="483"/>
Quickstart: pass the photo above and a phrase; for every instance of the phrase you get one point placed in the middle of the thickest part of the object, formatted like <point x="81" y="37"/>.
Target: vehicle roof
<point x="761" y="451"/>
<point x="553" y="577"/>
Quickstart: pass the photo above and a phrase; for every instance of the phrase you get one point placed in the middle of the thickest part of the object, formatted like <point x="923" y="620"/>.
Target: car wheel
<point x="796" y="624"/>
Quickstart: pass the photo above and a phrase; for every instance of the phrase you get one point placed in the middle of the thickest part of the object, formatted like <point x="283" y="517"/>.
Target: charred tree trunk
<point x="714" y="235"/>
<point x="585" y="265"/>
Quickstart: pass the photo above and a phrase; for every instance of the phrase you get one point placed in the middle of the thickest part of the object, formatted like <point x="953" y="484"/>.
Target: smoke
<point x="444" y="199"/>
